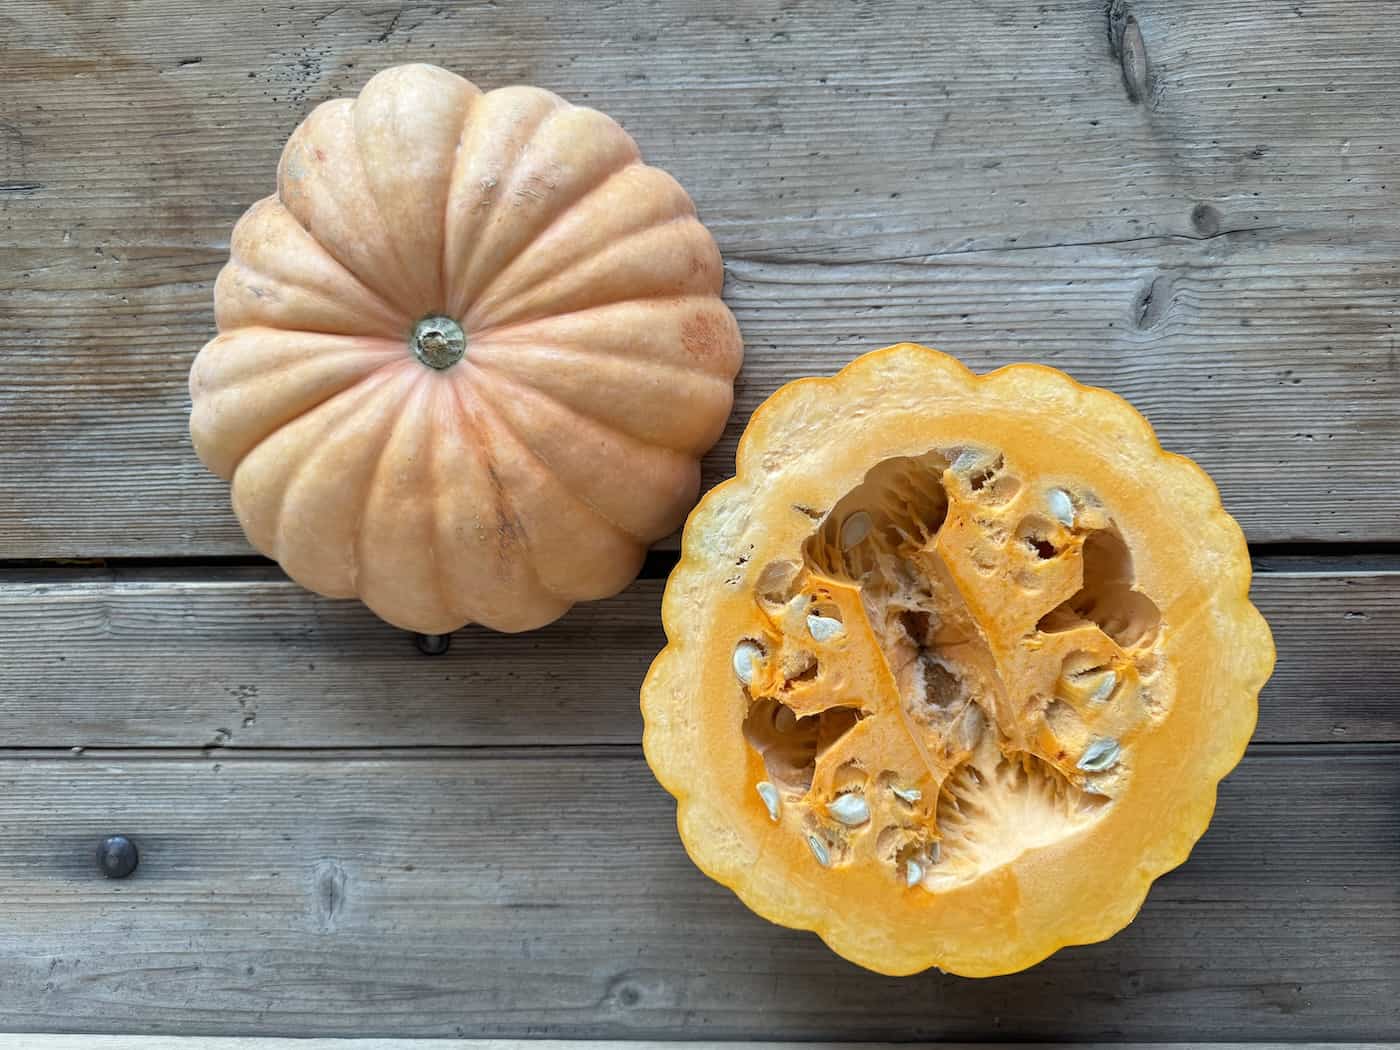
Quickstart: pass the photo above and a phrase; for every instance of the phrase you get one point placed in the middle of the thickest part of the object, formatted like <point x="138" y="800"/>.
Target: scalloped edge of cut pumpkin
<point x="705" y="832"/>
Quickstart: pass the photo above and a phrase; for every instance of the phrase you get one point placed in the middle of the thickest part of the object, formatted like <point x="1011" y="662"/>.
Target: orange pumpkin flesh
<point x="955" y="664"/>
<point x="469" y="355"/>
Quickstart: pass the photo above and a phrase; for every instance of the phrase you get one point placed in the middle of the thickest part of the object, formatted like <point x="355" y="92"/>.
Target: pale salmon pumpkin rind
<point x="578" y="359"/>
<point x="1080" y="889"/>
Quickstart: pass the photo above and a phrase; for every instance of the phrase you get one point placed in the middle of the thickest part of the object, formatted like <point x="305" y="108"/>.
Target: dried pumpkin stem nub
<point x="438" y="342"/>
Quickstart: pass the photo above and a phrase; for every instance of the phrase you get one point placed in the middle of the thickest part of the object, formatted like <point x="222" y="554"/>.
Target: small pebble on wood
<point x="117" y="856"/>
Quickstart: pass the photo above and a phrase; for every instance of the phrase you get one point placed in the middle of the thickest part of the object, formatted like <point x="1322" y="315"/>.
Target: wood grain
<point x="248" y="659"/>
<point x="1218" y="244"/>
<point x="545" y="893"/>
<point x="118" y="1042"/>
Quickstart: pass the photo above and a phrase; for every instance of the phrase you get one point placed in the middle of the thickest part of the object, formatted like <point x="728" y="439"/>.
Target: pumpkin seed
<point x="771" y="799"/>
<point x="1101" y="754"/>
<point x="854" y="529"/>
<point x="819" y="850"/>
<point x="1061" y="505"/>
<point x="824" y="628"/>
<point x="1105" y="688"/>
<point x="909" y="795"/>
<point x="967" y="459"/>
<point x="747" y="655"/>
<point x="913" y="873"/>
<point x="849" y="809"/>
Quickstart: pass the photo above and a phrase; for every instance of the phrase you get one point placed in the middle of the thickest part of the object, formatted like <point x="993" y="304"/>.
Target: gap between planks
<point x="1322" y="751"/>
<point x="177" y="1042"/>
<point x="1266" y="558"/>
<point x="245" y="659"/>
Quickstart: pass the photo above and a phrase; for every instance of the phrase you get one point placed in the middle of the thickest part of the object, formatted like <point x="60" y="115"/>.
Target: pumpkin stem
<point x="438" y="342"/>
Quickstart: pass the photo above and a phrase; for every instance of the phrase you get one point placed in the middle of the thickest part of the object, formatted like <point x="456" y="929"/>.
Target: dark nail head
<point x="117" y="857"/>
<point x="433" y="644"/>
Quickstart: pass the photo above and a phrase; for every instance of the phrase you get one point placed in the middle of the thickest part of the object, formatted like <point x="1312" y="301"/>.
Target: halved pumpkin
<point x="956" y="663"/>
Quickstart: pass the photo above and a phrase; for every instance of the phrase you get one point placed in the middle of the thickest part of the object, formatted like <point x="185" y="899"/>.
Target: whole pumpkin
<point x="468" y="355"/>
<point x="955" y="663"/>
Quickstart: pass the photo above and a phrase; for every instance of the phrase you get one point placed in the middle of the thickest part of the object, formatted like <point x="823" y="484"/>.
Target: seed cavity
<point x="854" y="529"/>
<point x="1105" y="688"/>
<point x="1061" y="506"/>
<point x="826" y="784"/>
<point x="748" y="655"/>
<point x="849" y="809"/>
<point x="1101" y="754"/>
<point x="771" y="799"/>
<point x="823" y="628"/>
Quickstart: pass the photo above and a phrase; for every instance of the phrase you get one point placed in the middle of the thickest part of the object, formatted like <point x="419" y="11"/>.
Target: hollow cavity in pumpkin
<point x="954" y="665"/>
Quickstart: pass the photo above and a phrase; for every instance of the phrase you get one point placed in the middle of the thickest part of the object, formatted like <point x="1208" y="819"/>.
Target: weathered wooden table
<point x="1194" y="203"/>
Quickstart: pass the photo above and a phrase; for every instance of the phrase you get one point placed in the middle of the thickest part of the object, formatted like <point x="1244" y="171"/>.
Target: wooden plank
<point x="244" y="658"/>
<point x="1221" y="250"/>
<point x="63" y="1042"/>
<point x="544" y="893"/>
<point x="121" y="1042"/>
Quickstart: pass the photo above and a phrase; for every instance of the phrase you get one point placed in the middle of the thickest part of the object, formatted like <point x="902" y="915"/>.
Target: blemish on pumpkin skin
<point x="320" y="154"/>
<point x="701" y="335"/>
<point x="509" y="533"/>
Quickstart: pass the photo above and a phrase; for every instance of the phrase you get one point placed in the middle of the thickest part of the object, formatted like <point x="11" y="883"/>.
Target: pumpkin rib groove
<point x="503" y="270"/>
<point x="446" y="600"/>
<point x="495" y="330"/>
<point x="505" y="306"/>
<point x="481" y="448"/>
<point x="501" y="369"/>
<point x="502" y="428"/>
<point x="287" y="366"/>
<point x="426" y="108"/>
<point x="524" y="344"/>
<point x="239" y="260"/>
<point x="488" y="221"/>
<point x="377" y="298"/>
<point x="320" y="183"/>
<point x="642" y="448"/>
<point x="467" y="113"/>
<point x="604" y="176"/>
<point x="395" y="419"/>
<point x="372" y="192"/>
<point x="368" y="376"/>
<point x="293" y="478"/>
<point x="224" y="461"/>
<point x="520" y="440"/>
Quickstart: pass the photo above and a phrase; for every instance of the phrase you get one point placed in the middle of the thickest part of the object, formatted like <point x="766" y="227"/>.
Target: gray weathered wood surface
<point x="1223" y="251"/>
<point x="343" y="837"/>
<point x="244" y="658"/>
<point x="87" y="1042"/>
<point x="543" y="892"/>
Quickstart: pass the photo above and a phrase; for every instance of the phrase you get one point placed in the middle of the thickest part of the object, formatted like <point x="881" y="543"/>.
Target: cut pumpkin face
<point x="955" y="664"/>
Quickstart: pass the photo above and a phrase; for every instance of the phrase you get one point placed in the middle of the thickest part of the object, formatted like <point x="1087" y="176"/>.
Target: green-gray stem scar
<point x="438" y="342"/>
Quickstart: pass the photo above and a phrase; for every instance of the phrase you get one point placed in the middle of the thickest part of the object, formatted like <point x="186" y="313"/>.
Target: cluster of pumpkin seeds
<point x="987" y="763"/>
